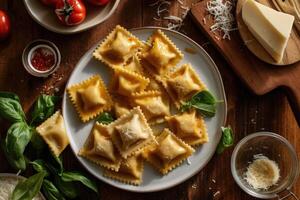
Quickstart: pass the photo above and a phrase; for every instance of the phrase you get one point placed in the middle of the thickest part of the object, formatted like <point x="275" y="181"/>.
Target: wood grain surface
<point x="259" y="76"/>
<point x="247" y="113"/>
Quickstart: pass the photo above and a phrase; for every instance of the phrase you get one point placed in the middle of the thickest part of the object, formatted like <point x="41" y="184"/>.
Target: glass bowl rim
<point x="274" y="136"/>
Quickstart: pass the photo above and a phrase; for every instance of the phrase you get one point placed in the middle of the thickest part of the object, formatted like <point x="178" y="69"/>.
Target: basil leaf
<point x="76" y="176"/>
<point x="11" y="110"/>
<point x="205" y="110"/>
<point x="204" y="97"/>
<point x="55" y="163"/>
<point x="227" y="139"/>
<point x="19" y="164"/>
<point x="68" y="189"/>
<point x="203" y="101"/>
<point x="10" y="95"/>
<point x="28" y="189"/>
<point x="39" y="166"/>
<point x="17" y="138"/>
<point x="44" y="107"/>
<point x="105" y="118"/>
<point x="50" y="191"/>
<point x="37" y="142"/>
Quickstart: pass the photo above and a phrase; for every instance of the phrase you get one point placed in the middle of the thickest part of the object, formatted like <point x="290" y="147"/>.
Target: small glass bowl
<point x="276" y="148"/>
<point x="29" y="49"/>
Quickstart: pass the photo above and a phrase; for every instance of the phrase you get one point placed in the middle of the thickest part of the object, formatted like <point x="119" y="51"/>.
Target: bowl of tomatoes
<point x="70" y="16"/>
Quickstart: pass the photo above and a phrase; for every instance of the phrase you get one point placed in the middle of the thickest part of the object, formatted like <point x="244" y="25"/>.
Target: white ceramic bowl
<point x="46" y="17"/>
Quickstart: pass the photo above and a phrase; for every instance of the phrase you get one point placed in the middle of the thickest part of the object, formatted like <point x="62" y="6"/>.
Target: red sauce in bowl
<point x="42" y="59"/>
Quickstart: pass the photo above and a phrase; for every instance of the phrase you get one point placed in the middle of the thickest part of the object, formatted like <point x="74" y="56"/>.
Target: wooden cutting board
<point x="259" y="76"/>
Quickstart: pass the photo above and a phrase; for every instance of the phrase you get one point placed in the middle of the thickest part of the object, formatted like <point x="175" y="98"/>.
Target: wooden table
<point x="247" y="113"/>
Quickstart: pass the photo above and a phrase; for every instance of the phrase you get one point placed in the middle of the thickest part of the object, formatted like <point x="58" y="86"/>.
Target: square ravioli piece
<point x="119" y="45"/>
<point x="130" y="172"/>
<point x="169" y="153"/>
<point x="90" y="98"/>
<point x="189" y="127"/>
<point x="182" y="84"/>
<point x="53" y="132"/>
<point x="100" y="149"/>
<point x="161" y="55"/>
<point x="126" y="83"/>
<point x="154" y="105"/>
<point x="131" y="133"/>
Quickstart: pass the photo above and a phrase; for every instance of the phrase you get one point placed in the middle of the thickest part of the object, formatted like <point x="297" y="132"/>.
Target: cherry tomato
<point x="98" y="2"/>
<point x="51" y="3"/>
<point x="70" y="12"/>
<point x="4" y="25"/>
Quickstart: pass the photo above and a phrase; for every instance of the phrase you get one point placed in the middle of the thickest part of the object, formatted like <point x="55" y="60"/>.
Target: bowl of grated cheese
<point x="265" y="165"/>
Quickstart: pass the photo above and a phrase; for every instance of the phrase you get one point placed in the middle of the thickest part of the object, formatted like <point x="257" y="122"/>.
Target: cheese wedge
<point x="270" y="27"/>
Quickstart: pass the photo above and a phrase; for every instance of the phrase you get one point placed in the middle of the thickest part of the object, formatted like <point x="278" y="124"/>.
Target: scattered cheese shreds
<point x="163" y="7"/>
<point x="223" y="18"/>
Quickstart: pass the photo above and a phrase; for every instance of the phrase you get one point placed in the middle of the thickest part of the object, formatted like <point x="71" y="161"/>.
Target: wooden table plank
<point x="247" y="113"/>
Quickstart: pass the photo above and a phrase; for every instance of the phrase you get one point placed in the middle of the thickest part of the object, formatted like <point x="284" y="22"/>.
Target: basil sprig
<point x="204" y="102"/>
<point x="227" y="139"/>
<point x="105" y="118"/>
<point x="20" y="133"/>
<point x="28" y="189"/>
<point x="43" y="108"/>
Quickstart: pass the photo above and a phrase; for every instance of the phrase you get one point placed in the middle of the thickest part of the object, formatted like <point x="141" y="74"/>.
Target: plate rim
<point x="67" y="31"/>
<point x="215" y="68"/>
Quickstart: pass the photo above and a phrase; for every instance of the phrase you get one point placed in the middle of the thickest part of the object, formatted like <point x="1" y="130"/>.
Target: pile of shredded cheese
<point x="262" y="173"/>
<point x="223" y="18"/>
<point x="174" y="22"/>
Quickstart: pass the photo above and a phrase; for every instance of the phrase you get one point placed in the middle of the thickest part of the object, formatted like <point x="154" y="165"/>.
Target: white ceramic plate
<point x="46" y="17"/>
<point x="152" y="180"/>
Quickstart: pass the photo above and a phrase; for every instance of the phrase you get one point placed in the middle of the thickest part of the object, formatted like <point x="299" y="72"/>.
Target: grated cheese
<point x="223" y="18"/>
<point x="173" y="22"/>
<point x="262" y="173"/>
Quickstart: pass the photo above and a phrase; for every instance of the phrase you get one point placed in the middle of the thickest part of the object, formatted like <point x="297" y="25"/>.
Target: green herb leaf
<point x="17" y="138"/>
<point x="39" y="166"/>
<point x="55" y="163"/>
<point x="50" y="191"/>
<point x="227" y="139"/>
<point x="105" y="118"/>
<point x="11" y="110"/>
<point x="10" y="95"/>
<point x="76" y="176"/>
<point x="44" y="107"/>
<point x="37" y="142"/>
<point x="68" y="189"/>
<point x="18" y="164"/>
<point x="203" y="101"/>
<point x="28" y="189"/>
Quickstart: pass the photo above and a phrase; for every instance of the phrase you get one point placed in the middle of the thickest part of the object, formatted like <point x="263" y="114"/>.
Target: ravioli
<point x="118" y="47"/>
<point x="131" y="132"/>
<point x="154" y="105"/>
<point x="90" y="98"/>
<point x="53" y="132"/>
<point x="133" y="64"/>
<point x="100" y="149"/>
<point x="169" y="153"/>
<point x="182" y="84"/>
<point x="189" y="127"/>
<point x="130" y="172"/>
<point x="126" y="83"/>
<point x="161" y="55"/>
